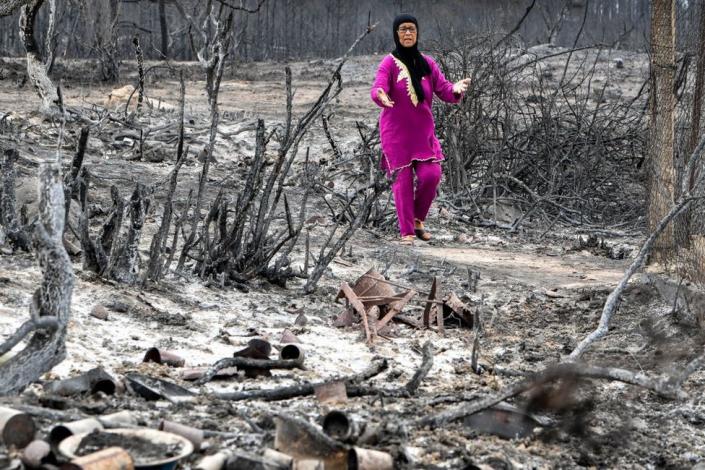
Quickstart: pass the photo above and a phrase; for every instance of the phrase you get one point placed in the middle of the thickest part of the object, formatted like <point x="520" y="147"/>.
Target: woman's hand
<point x="384" y="99"/>
<point x="461" y="86"/>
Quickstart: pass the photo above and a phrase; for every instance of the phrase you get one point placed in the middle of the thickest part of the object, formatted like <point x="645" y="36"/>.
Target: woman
<point x="404" y="86"/>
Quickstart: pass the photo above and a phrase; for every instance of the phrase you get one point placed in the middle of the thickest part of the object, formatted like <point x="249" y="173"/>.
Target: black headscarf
<point x="410" y="56"/>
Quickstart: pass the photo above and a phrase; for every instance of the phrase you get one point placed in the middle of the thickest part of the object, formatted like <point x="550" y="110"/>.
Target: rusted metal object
<point x="17" y="429"/>
<point x="160" y="356"/>
<point x="62" y="431"/>
<point x="151" y="388"/>
<point x="370" y="284"/>
<point x="359" y="308"/>
<point x="396" y="308"/>
<point x="94" y="381"/>
<point x="340" y="426"/>
<point x="453" y="306"/>
<point x="344" y="318"/>
<point x="183" y="447"/>
<point x="368" y="459"/>
<point x="257" y="348"/>
<point x="192" y="434"/>
<point x="292" y="352"/>
<point x="112" y="458"/>
<point x="36" y="454"/>
<point x="288" y="337"/>
<point x="331" y="393"/>
<point x="303" y="442"/>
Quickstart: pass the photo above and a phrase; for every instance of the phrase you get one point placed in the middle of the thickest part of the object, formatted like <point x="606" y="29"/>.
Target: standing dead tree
<point x="51" y="302"/>
<point x="211" y="54"/>
<point x="36" y="67"/>
<point x="156" y="265"/>
<point x="243" y="246"/>
<point x="9" y="221"/>
<point x="106" y="40"/>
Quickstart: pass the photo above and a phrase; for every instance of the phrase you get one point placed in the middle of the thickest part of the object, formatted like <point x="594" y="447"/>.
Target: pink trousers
<point x="414" y="200"/>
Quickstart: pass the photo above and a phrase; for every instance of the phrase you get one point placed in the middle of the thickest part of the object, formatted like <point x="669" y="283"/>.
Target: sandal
<point x="407" y="240"/>
<point x="421" y="234"/>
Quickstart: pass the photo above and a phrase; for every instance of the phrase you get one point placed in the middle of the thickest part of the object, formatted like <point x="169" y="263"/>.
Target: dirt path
<point x="551" y="272"/>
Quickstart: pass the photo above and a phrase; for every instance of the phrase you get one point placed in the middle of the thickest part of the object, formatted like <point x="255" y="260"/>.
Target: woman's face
<point x="407" y="34"/>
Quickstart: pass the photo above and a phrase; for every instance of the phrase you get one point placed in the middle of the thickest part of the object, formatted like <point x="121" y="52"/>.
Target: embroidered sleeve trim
<point x="404" y="75"/>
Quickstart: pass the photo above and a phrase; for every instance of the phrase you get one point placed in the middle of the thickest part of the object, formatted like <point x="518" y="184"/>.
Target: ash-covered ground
<point x="539" y="292"/>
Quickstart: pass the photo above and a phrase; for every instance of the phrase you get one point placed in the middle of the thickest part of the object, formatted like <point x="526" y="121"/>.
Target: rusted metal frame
<point x="396" y="308"/>
<point x="359" y="307"/>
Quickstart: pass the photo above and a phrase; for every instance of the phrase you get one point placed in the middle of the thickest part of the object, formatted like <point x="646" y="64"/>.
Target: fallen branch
<point x="47" y="323"/>
<point x="667" y="387"/>
<point x="302" y="390"/>
<point x="248" y="363"/>
<point x="423" y="370"/>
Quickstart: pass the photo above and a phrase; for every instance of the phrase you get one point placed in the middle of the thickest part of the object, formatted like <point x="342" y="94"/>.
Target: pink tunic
<point x="407" y="130"/>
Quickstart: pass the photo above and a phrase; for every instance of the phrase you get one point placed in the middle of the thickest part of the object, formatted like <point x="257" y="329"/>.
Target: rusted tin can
<point x="160" y="356"/>
<point x="35" y="454"/>
<point x="331" y="392"/>
<point x="292" y="352"/>
<point x="17" y="429"/>
<point x="192" y="434"/>
<point x="62" y="431"/>
<point x="368" y="459"/>
<point x="340" y="426"/>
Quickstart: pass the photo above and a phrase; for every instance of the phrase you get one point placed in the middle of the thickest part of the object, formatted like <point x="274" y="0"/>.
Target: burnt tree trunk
<point x="662" y="105"/>
<point x="164" y="30"/>
<point x="36" y="69"/>
<point x="52" y="300"/>
<point x="124" y="261"/>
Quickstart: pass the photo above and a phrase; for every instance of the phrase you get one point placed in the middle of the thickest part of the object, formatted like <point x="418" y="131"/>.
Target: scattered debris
<point x="94" y="381"/>
<point x="147" y="447"/>
<point x="112" y="457"/>
<point x="163" y="357"/>
<point x="331" y="392"/>
<point x="376" y="303"/>
<point x="151" y="388"/>
<point x="195" y="436"/>
<point x="17" y="429"/>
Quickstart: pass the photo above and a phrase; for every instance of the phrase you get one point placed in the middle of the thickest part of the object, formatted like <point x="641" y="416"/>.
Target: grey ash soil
<point x="538" y="296"/>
